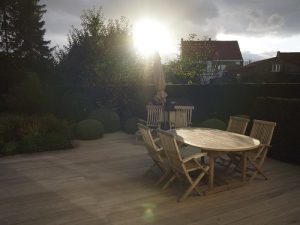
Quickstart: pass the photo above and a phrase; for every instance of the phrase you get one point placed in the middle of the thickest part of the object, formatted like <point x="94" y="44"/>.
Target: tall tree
<point x="22" y="29"/>
<point x="100" y="52"/>
<point x="22" y="47"/>
<point x="6" y="27"/>
<point x="29" y="27"/>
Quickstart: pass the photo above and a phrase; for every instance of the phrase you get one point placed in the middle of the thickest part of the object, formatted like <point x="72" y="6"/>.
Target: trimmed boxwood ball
<point x="109" y="119"/>
<point x="89" y="129"/>
<point x="130" y="126"/>
<point x="214" y="124"/>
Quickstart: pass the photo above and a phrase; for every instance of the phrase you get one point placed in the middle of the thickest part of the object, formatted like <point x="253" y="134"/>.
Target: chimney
<point x="278" y="54"/>
<point x="209" y="39"/>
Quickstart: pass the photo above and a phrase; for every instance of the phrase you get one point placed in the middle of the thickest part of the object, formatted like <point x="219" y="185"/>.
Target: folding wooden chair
<point x="183" y="116"/>
<point x="183" y="167"/>
<point x="155" y="152"/>
<point x="263" y="131"/>
<point x="154" y="118"/>
<point x="236" y="125"/>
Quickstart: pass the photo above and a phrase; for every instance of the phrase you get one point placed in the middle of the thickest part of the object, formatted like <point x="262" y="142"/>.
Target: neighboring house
<point x="215" y="56"/>
<point x="285" y="67"/>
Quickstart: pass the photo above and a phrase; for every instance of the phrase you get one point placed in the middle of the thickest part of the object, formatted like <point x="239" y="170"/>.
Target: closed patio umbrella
<point x="159" y="80"/>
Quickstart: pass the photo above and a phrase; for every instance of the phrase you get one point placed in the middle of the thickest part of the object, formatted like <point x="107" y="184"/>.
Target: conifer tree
<point x="22" y="29"/>
<point x="28" y="23"/>
<point x="6" y="27"/>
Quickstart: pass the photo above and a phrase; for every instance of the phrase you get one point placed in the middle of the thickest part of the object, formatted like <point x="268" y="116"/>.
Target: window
<point x="276" y="68"/>
<point x="209" y="66"/>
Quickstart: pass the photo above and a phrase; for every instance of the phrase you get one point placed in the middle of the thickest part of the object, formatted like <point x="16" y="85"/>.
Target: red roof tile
<point x="290" y="57"/>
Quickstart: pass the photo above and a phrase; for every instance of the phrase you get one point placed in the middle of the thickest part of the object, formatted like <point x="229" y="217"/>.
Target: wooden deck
<point x="104" y="182"/>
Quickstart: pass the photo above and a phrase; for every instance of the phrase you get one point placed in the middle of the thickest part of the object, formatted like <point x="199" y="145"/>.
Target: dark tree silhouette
<point x="23" y="51"/>
<point x="22" y="32"/>
<point x="6" y="27"/>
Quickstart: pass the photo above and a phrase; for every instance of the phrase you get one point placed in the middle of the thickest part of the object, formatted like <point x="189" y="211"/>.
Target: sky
<point x="262" y="27"/>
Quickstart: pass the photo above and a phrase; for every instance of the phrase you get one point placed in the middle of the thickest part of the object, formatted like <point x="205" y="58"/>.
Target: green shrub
<point x="53" y="141"/>
<point x="286" y="137"/>
<point x="89" y="129"/>
<point x="32" y="143"/>
<point x="22" y="134"/>
<point x="27" y="96"/>
<point x="48" y="123"/>
<point x="12" y="127"/>
<point x="10" y="148"/>
<point x="130" y="126"/>
<point x="75" y="106"/>
<point x="109" y="119"/>
<point x="213" y="123"/>
<point x="50" y="141"/>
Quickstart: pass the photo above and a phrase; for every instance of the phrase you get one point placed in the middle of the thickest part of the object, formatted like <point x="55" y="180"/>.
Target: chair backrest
<point x="237" y="124"/>
<point x="171" y="149"/>
<point x="263" y="131"/>
<point x="154" y="115"/>
<point x="183" y="116"/>
<point x="149" y="143"/>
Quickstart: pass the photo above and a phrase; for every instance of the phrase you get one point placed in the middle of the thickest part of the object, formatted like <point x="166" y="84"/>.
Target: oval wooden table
<point x="216" y="142"/>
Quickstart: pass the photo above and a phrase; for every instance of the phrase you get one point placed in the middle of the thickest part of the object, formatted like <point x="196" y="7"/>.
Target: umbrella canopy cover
<point x="159" y="80"/>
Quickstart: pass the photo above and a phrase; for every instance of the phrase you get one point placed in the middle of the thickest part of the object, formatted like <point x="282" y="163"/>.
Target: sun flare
<point x="150" y="36"/>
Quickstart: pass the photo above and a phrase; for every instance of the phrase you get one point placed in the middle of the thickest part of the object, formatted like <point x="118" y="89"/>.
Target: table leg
<point x="211" y="171"/>
<point x="244" y="167"/>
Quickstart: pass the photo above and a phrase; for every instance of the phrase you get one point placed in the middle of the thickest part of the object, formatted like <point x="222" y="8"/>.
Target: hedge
<point x="286" y="138"/>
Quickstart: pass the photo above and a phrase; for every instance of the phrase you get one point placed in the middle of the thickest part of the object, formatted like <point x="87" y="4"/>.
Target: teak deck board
<point x="104" y="182"/>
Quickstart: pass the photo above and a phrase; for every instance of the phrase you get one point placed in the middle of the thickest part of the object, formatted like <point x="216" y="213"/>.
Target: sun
<point x="151" y="36"/>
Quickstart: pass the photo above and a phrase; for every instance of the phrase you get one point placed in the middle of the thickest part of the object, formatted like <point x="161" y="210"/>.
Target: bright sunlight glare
<point x="150" y="36"/>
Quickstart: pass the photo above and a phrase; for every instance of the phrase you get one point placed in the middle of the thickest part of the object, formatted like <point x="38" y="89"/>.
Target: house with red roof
<point x="216" y="56"/>
<point x="283" y="68"/>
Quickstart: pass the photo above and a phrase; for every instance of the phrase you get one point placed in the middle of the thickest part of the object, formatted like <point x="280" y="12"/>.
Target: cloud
<point x="259" y="18"/>
<point x="252" y="57"/>
<point x="260" y="23"/>
<point x="251" y="18"/>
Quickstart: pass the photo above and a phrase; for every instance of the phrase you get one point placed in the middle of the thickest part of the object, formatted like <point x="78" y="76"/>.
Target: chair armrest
<point x="194" y="156"/>
<point x="156" y="139"/>
<point x="160" y="149"/>
<point x="265" y="145"/>
<point x="157" y="142"/>
<point x="144" y="122"/>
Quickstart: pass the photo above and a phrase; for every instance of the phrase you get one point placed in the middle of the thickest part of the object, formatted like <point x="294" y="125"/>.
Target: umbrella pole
<point x="164" y="118"/>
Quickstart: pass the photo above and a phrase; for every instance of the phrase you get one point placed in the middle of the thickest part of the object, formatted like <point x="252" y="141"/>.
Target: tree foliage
<point x="22" y="45"/>
<point x="6" y="27"/>
<point x="191" y="67"/>
<point x="22" y="32"/>
<point x="25" y="57"/>
<point x="184" y="70"/>
<point x="99" y="53"/>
